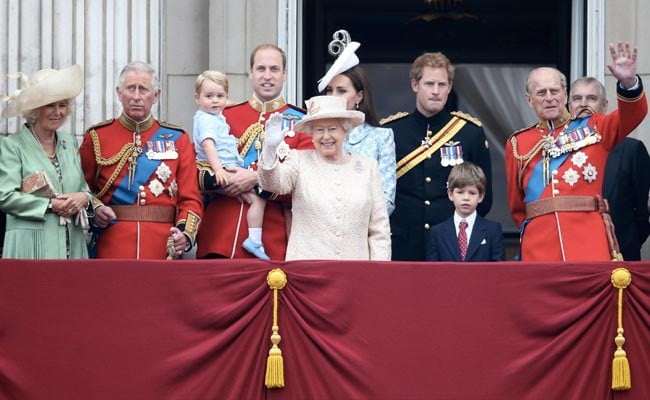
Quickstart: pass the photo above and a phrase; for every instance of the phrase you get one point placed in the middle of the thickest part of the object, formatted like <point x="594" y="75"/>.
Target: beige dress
<point x="339" y="211"/>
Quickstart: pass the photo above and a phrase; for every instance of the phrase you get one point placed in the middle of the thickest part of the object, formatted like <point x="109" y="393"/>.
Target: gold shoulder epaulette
<point x="100" y="124"/>
<point x="171" y="126"/>
<point x="523" y="129"/>
<point x="467" y="117"/>
<point x="393" y="117"/>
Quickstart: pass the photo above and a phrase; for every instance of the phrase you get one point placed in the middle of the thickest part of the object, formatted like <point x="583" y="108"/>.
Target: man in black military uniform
<point x="428" y="142"/>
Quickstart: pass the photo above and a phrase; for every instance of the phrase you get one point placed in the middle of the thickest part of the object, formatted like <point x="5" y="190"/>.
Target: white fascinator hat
<point x="343" y="47"/>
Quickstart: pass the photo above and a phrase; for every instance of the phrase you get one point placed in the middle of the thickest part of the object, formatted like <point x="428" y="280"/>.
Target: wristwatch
<point x="49" y="205"/>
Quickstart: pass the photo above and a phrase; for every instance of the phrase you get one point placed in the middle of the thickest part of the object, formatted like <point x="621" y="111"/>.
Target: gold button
<point x="426" y="226"/>
<point x="427" y="203"/>
<point x="427" y="179"/>
<point x="429" y="157"/>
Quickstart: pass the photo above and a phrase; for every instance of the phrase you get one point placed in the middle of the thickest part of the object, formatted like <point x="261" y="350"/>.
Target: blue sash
<point x="145" y="167"/>
<point x="536" y="183"/>
<point x="290" y="116"/>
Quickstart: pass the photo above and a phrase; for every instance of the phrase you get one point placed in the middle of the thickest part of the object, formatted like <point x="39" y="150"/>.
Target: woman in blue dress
<point x="348" y="80"/>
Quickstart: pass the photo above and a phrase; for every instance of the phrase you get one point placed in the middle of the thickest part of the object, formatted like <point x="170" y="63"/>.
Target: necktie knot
<point x="463" y="225"/>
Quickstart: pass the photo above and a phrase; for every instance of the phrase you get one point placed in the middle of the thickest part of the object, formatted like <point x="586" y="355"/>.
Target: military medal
<point x="288" y="122"/>
<point x="156" y="187"/>
<point x="283" y="150"/>
<point x="426" y="142"/>
<point x="579" y="158"/>
<point x="162" y="149"/>
<point x="173" y="188"/>
<point x="571" y="176"/>
<point x="567" y="142"/>
<point x="444" y="156"/>
<point x="451" y="154"/>
<point x="163" y="172"/>
<point x="590" y="173"/>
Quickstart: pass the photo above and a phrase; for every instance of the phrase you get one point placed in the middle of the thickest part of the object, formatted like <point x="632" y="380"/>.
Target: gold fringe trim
<point x="621" y="377"/>
<point x="276" y="279"/>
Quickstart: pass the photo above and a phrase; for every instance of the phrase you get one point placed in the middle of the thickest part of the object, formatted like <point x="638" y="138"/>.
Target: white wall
<point x="100" y="35"/>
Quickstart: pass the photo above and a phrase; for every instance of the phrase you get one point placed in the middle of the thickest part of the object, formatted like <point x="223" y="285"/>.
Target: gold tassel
<point x="621" y="377"/>
<point x="276" y="279"/>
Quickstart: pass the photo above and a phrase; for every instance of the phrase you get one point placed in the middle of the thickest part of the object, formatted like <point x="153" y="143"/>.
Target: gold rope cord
<point x="246" y="140"/>
<point x="276" y="279"/>
<point x="621" y="377"/>
<point x="121" y="158"/>
<point x="524" y="160"/>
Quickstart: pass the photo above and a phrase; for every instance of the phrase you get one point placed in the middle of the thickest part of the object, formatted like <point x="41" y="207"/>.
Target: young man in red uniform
<point x="224" y="227"/>
<point x="555" y="168"/>
<point x="144" y="172"/>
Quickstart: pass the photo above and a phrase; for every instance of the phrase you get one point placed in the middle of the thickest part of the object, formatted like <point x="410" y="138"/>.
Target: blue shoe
<point x="256" y="249"/>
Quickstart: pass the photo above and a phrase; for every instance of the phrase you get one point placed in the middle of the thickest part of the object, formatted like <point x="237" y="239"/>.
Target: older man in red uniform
<point x="224" y="227"/>
<point x="555" y="168"/>
<point x="144" y="172"/>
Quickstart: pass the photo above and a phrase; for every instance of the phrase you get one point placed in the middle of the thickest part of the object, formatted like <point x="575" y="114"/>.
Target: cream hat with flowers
<point x="45" y="87"/>
<point x="325" y="107"/>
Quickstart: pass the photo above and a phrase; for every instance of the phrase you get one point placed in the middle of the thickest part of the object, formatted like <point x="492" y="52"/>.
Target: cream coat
<point x="339" y="211"/>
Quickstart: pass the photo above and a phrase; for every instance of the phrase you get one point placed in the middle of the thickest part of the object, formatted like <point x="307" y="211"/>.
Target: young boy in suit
<point x="466" y="236"/>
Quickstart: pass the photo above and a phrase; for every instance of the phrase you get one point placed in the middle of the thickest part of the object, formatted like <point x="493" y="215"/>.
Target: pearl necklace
<point x="33" y="132"/>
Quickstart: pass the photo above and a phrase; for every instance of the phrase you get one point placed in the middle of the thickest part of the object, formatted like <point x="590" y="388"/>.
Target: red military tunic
<point x="224" y="227"/>
<point x="160" y="179"/>
<point x="567" y="235"/>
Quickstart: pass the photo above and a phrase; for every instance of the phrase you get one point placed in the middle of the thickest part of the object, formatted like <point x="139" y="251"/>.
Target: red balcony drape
<point x="350" y="330"/>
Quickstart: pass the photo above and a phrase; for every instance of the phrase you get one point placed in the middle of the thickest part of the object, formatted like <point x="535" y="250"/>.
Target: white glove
<point x="273" y="136"/>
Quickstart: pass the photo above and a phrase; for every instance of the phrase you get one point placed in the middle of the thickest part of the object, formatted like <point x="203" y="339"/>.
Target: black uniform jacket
<point x="421" y="199"/>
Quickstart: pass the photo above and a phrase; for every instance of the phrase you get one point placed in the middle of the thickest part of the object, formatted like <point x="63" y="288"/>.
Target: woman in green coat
<point x="46" y="213"/>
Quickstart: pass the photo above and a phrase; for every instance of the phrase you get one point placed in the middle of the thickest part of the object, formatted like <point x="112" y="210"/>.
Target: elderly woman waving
<point x="42" y="188"/>
<point x="339" y="211"/>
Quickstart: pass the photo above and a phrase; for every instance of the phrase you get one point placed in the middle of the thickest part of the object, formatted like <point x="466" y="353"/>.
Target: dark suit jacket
<point x="626" y="185"/>
<point x="485" y="244"/>
<point x="421" y="199"/>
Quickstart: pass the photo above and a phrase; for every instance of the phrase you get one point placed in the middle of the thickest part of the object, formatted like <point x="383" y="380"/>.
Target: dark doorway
<point x="467" y="31"/>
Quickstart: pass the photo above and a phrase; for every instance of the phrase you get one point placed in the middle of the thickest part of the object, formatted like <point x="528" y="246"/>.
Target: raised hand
<point x="273" y="131"/>
<point x="623" y="65"/>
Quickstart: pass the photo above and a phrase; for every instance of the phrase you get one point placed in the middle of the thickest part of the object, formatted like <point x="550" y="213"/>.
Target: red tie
<point x="462" y="239"/>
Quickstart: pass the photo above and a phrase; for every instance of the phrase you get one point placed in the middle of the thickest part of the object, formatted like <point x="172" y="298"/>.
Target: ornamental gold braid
<point x="121" y="158"/>
<point x="112" y="160"/>
<point x="247" y="139"/>
<point x="525" y="159"/>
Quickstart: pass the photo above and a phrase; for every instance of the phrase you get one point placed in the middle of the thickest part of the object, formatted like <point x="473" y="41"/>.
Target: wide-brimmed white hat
<point x="45" y="87"/>
<point x="345" y="60"/>
<point x="324" y="107"/>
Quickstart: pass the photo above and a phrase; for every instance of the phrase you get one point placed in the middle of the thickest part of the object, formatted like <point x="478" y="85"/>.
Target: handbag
<point x="38" y="184"/>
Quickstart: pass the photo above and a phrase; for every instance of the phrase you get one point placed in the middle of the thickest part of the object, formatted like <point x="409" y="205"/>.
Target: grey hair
<point x="536" y="70"/>
<point x="139" y="66"/>
<point x="587" y="80"/>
